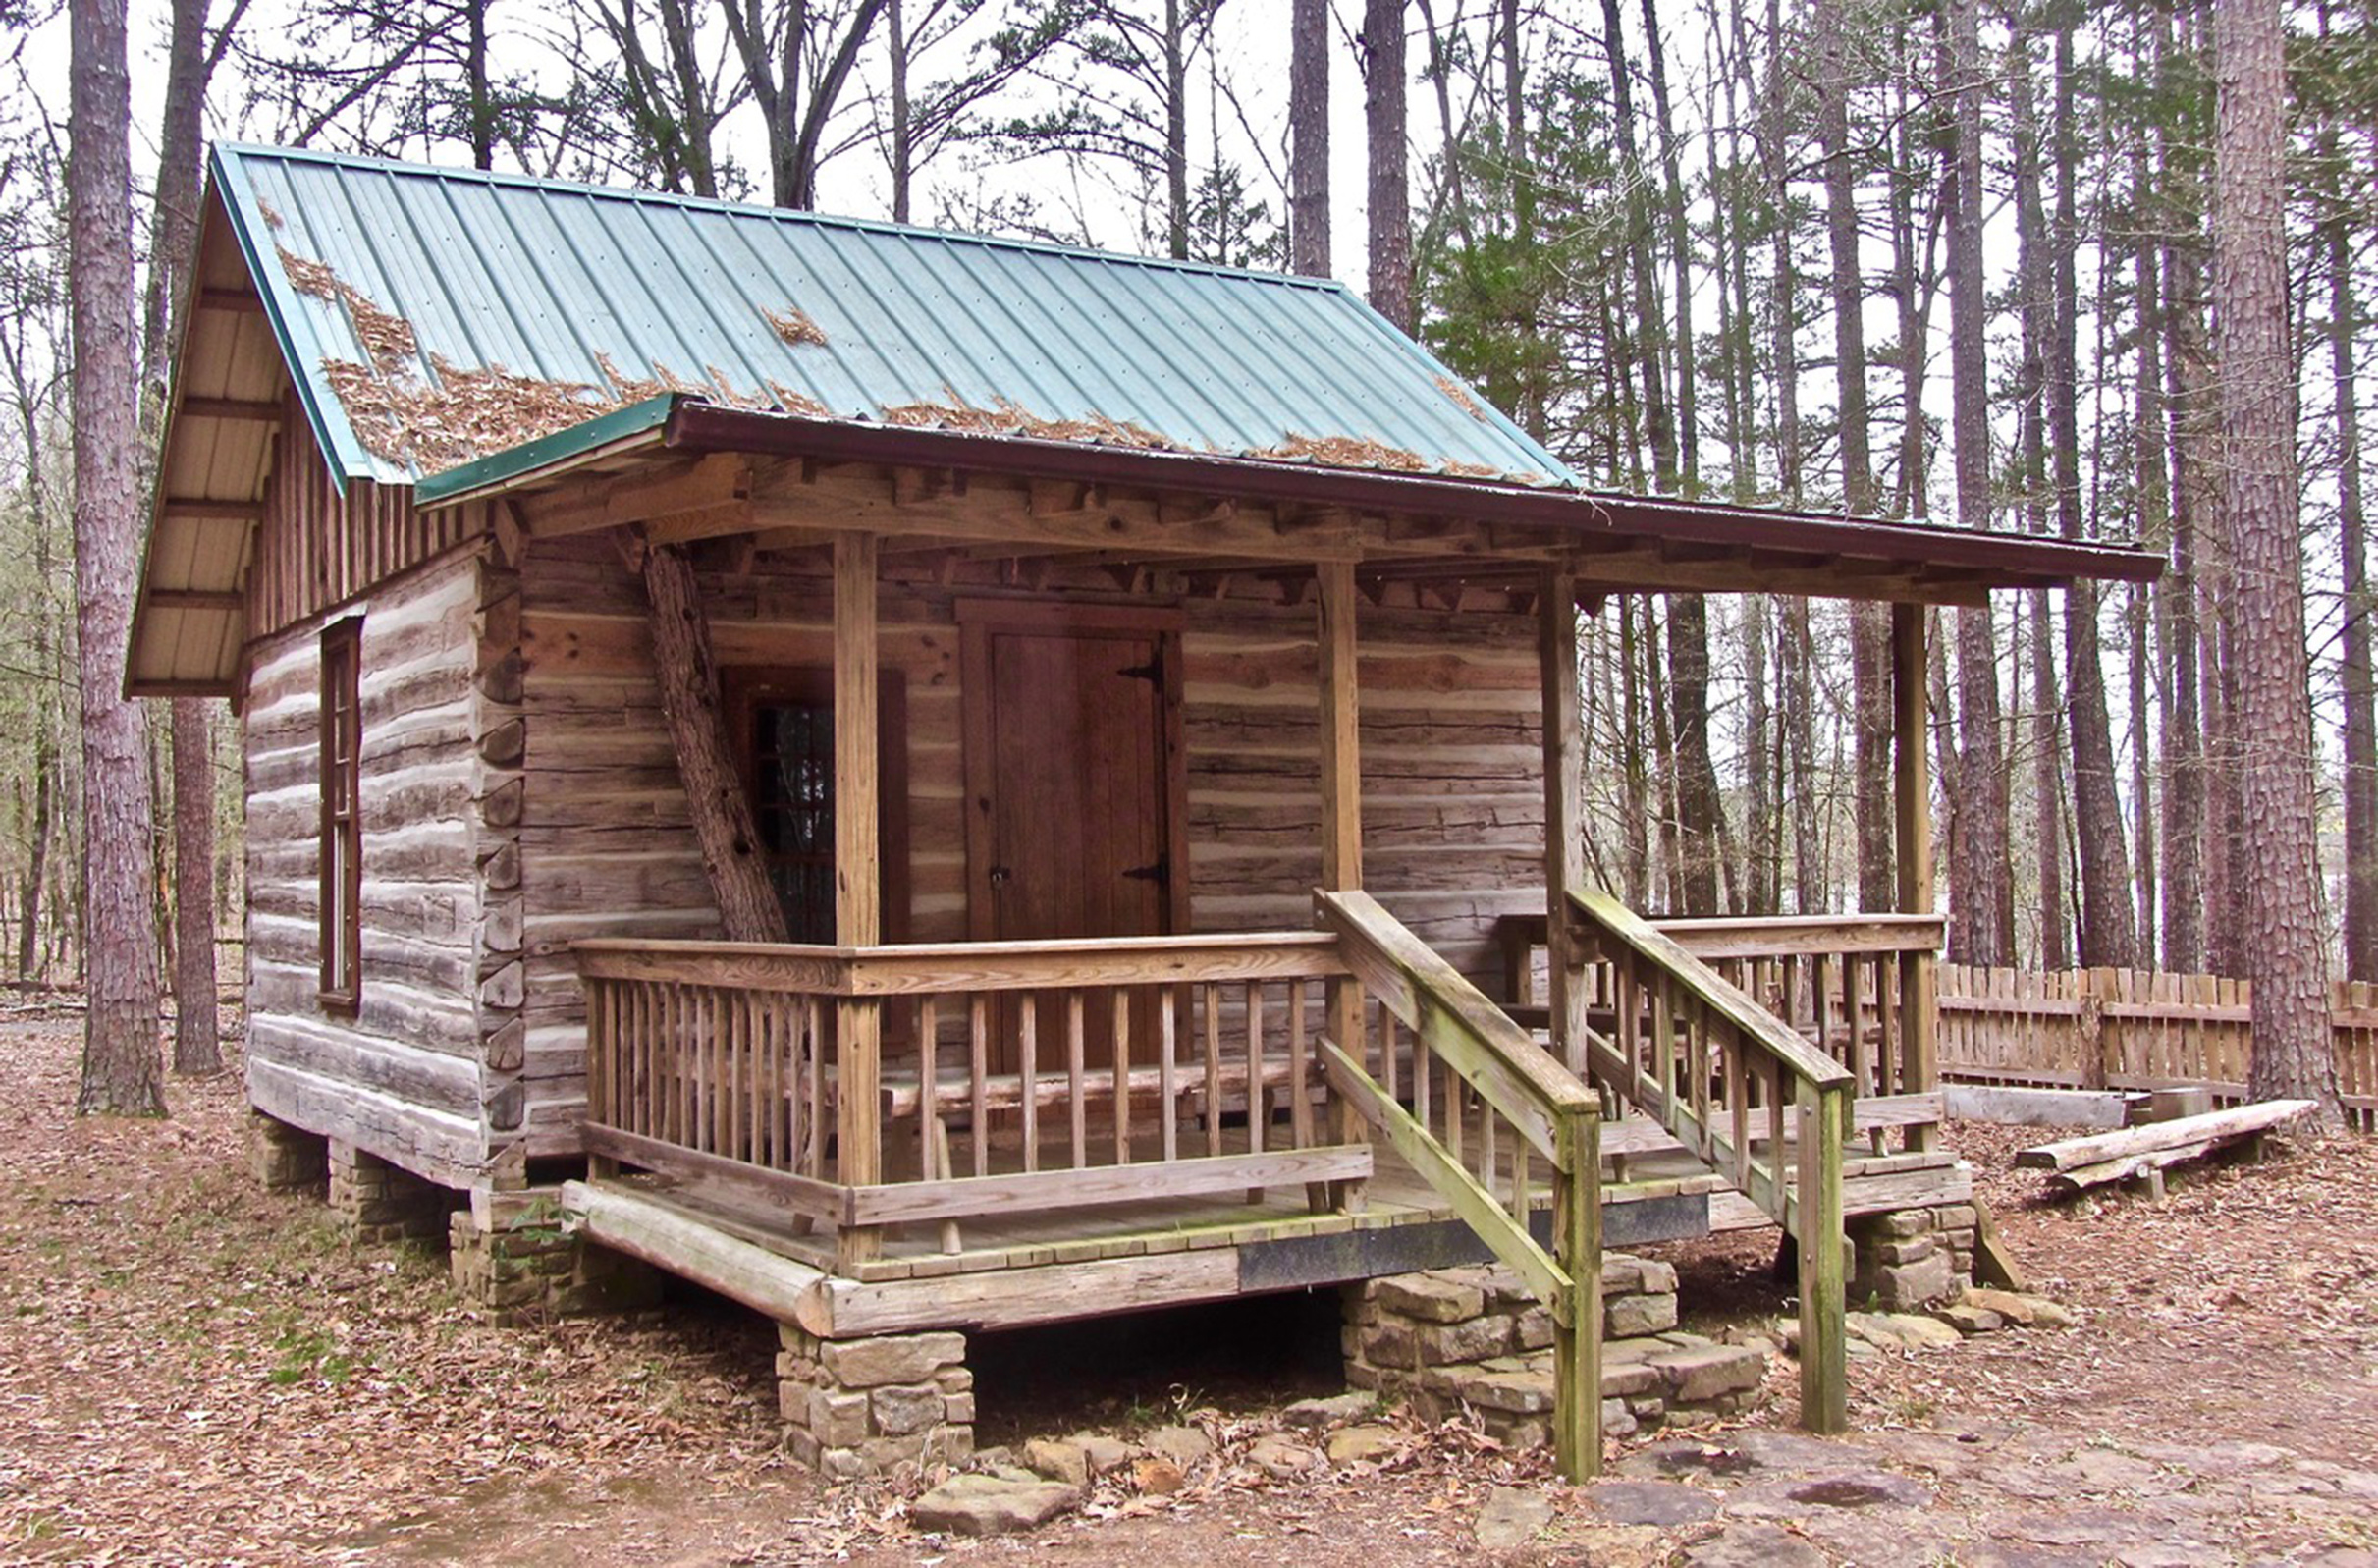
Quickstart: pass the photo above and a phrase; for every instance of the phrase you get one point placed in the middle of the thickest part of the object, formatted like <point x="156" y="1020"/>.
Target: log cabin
<point x="930" y="784"/>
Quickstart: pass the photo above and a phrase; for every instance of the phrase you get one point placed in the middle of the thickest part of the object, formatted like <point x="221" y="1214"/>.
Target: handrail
<point x="1616" y="920"/>
<point x="1519" y="1085"/>
<point x="920" y="968"/>
<point x="1733" y="1050"/>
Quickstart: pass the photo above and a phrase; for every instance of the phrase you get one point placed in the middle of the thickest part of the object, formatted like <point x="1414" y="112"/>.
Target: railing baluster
<point x="1167" y="1023"/>
<point x="1121" y="1002"/>
<point x="978" y="1066"/>
<point x="929" y="1089"/>
<point x="1256" y="1111"/>
<point x="1210" y="996"/>
<point x="1028" y="1059"/>
<point x="1077" y="1098"/>
<point x="1300" y="1050"/>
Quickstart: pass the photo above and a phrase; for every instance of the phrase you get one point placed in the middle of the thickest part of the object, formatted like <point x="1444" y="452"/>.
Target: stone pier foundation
<point x="376" y="1201"/>
<point x="1472" y="1340"/>
<point x="286" y="1159"/>
<point x="867" y="1407"/>
<point x="510" y="1254"/>
<point x="1910" y="1259"/>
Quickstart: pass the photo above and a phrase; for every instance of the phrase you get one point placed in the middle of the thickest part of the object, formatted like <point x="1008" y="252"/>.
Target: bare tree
<point x="121" y="1067"/>
<point x="1309" y="137"/>
<point x="1384" y="74"/>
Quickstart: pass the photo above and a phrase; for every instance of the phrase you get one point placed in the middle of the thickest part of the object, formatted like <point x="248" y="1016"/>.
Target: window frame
<point x="744" y="688"/>
<point x="340" y="786"/>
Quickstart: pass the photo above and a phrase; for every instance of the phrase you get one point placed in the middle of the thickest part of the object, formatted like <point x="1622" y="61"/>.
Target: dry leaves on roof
<point x="461" y="414"/>
<point x="1006" y="418"/>
<point x="1348" y="452"/>
<point x="1461" y="398"/>
<point x="792" y="324"/>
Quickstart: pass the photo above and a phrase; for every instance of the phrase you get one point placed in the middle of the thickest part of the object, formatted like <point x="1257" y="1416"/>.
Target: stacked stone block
<point x="868" y="1407"/>
<point x="510" y="1254"/>
<point x="375" y="1201"/>
<point x="286" y="1159"/>
<point x="1475" y="1339"/>
<point x="1910" y="1259"/>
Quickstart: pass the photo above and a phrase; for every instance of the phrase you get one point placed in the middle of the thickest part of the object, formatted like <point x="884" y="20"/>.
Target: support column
<point x="1564" y="806"/>
<point x="1911" y="782"/>
<point x="1341" y="783"/>
<point x="859" y="896"/>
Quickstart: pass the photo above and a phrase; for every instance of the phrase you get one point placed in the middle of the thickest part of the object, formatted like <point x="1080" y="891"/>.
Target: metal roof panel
<point x="568" y="283"/>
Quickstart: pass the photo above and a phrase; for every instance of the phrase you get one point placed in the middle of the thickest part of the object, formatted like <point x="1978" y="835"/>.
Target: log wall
<point x="401" y="1076"/>
<point x="1453" y="811"/>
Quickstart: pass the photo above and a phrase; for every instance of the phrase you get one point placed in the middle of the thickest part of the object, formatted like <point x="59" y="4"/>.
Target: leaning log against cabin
<point x="1113" y="692"/>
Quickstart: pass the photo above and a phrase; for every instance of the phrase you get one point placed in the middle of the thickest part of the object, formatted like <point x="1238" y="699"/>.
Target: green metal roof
<point x="434" y="317"/>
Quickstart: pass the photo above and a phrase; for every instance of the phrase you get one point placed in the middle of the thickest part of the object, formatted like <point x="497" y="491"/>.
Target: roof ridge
<point x="762" y="210"/>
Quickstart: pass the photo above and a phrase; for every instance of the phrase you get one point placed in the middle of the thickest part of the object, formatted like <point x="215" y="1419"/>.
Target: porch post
<point x="858" y="899"/>
<point x="1912" y="781"/>
<point x="1341" y="781"/>
<point x="1564" y="806"/>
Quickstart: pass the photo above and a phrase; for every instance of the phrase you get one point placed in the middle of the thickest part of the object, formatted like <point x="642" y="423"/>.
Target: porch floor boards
<point x="1395" y="1196"/>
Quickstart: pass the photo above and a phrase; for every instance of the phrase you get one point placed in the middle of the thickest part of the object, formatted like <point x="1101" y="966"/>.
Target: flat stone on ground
<point x="988" y="1505"/>
<point x="1183" y="1445"/>
<point x="1312" y="1415"/>
<point x="1354" y="1444"/>
<point x="1753" y="1546"/>
<point x="1512" y="1518"/>
<point x="1279" y="1456"/>
<point x="1068" y="1462"/>
<point x="1900" y="1330"/>
<point x="1665" y="1503"/>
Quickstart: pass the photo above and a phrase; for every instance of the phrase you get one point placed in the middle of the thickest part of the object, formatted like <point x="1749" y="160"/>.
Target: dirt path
<point x="192" y="1371"/>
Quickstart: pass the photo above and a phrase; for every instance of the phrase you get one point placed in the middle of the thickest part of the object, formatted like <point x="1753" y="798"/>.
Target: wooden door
<point x="1073" y="777"/>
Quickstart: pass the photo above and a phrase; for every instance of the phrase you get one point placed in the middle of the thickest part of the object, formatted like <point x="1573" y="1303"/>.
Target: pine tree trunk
<point x="1309" y="139"/>
<point x="903" y="152"/>
<point x="1385" y="73"/>
<point x="2108" y="936"/>
<point x="691" y="709"/>
<point x="1869" y="624"/>
<point x="1980" y="897"/>
<point x="2036" y="310"/>
<point x="197" y="1032"/>
<point x="2183" y="793"/>
<point x="174" y="238"/>
<point x="2271" y="722"/>
<point x="122" y="1070"/>
<point x="2355" y="680"/>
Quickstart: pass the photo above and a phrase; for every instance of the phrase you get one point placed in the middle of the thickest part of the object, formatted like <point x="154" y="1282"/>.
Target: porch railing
<point x="1748" y="1095"/>
<point x="1012" y="1078"/>
<point x="1842" y="982"/>
<point x="1478" y="1079"/>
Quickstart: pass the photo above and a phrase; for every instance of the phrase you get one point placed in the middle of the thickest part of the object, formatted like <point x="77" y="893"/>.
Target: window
<point x="342" y="784"/>
<point x="781" y="723"/>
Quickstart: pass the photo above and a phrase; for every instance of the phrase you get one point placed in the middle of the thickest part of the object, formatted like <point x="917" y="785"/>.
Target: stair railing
<point x="1744" y="1092"/>
<point x="1488" y="1105"/>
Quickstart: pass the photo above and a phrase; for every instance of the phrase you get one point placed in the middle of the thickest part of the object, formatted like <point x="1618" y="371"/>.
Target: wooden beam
<point x="993" y="512"/>
<point x="1911" y="790"/>
<point x="1824" y="1379"/>
<point x="253" y="410"/>
<point x="667" y="1238"/>
<point x="2219" y="1126"/>
<point x="641" y="495"/>
<point x="859" y="888"/>
<point x="244" y="300"/>
<point x="1564" y="745"/>
<point x="1341" y="777"/>
<point x="196" y="599"/>
<point x="172" y="510"/>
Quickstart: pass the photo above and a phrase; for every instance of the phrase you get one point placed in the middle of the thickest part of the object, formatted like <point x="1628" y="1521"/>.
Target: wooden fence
<point x="2132" y="1029"/>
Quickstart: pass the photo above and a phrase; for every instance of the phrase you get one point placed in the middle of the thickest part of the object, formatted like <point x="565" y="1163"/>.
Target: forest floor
<point x="195" y="1372"/>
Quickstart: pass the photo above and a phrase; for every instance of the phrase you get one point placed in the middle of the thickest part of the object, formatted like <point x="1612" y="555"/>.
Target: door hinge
<point x="1153" y="672"/>
<point x="1159" y="871"/>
